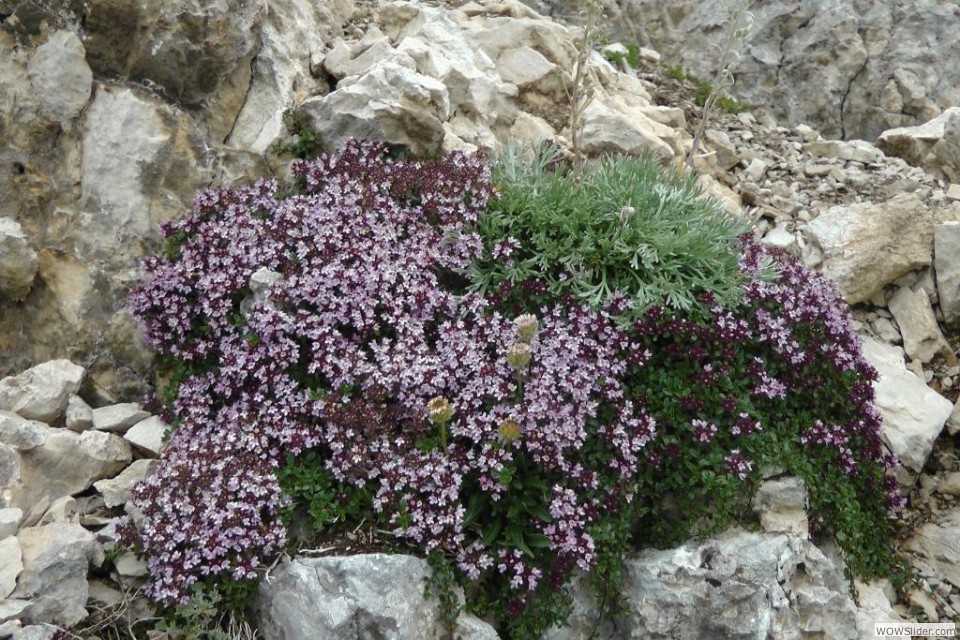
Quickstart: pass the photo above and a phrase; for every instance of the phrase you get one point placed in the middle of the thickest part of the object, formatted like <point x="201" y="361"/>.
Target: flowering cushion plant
<point x="331" y="348"/>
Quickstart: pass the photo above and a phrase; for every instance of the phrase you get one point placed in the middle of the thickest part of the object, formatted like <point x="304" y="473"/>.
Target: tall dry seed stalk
<point x="580" y="93"/>
<point x="740" y="25"/>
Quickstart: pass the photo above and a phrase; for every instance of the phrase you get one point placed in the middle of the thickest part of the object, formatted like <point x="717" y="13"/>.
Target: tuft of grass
<point x="704" y="89"/>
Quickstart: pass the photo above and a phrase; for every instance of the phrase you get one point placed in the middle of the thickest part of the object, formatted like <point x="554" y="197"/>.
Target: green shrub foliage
<point x="520" y="377"/>
<point x="625" y="226"/>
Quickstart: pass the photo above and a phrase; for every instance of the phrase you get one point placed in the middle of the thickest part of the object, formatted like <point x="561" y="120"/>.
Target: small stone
<point x="953" y="191"/>
<point x="59" y="510"/>
<point x="756" y="170"/>
<point x="18" y="261"/>
<point x="950" y="484"/>
<point x="855" y="150"/>
<point x="886" y="331"/>
<point x="806" y="133"/>
<point x="103" y="593"/>
<point x="651" y="56"/>
<point x="913" y="414"/>
<point x="118" y="418"/>
<point x="781" y="238"/>
<point x="79" y="415"/>
<point x="117" y="491"/>
<point x="41" y="393"/>
<point x="41" y="631"/>
<point x="129" y="566"/>
<point x="10" y="521"/>
<point x="36" y="512"/>
<point x="953" y="422"/>
<point x="922" y="338"/>
<point x="20" y="433"/>
<point x="781" y="505"/>
<point x="817" y="171"/>
<point x="148" y="436"/>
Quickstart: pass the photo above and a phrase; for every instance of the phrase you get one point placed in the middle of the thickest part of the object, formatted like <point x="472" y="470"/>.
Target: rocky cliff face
<point x="851" y="68"/>
<point x="120" y="111"/>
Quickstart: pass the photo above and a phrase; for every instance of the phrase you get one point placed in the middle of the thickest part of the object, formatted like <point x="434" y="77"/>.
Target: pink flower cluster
<point x="331" y="319"/>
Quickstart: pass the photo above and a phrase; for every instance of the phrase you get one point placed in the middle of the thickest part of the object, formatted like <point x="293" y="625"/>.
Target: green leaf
<point x="491" y="532"/>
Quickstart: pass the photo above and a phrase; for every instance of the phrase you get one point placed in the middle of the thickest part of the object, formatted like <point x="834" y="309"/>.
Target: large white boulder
<point x="343" y="598"/>
<point x="736" y="585"/>
<point x="65" y="463"/>
<point x="56" y="558"/>
<point x="913" y="413"/>
<point x="867" y="246"/>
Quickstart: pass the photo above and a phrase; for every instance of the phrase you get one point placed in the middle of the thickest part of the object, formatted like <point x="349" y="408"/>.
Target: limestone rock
<point x="63" y="508"/>
<point x="61" y="77"/>
<point x="873" y="605"/>
<point x="950" y="484"/>
<point x="79" y="415"/>
<point x="11" y="565"/>
<point x="195" y="52"/>
<point x="37" y="632"/>
<point x="496" y="34"/>
<point x="610" y="126"/>
<point x="849" y="68"/>
<point x="337" y="598"/>
<point x="391" y="103"/>
<point x="116" y="491"/>
<point x="10" y="473"/>
<point x="18" y="261"/>
<point x="12" y="608"/>
<point x="856" y="150"/>
<point x="922" y="338"/>
<point x="129" y="566"/>
<point x="531" y="129"/>
<point x="9" y="521"/>
<point x="737" y="585"/>
<point x="55" y="562"/>
<point x="780" y="237"/>
<point x="953" y="422"/>
<point x="148" y="436"/>
<point x="913" y="414"/>
<point x="117" y="418"/>
<point x="356" y="58"/>
<point x="936" y="543"/>
<point x="524" y="66"/>
<point x="724" y="150"/>
<point x="713" y="188"/>
<point x="946" y="260"/>
<point x="126" y="138"/>
<point x="20" y="433"/>
<point x="41" y="393"/>
<point x="867" y="246"/>
<point x="781" y="506"/>
<point x="293" y="34"/>
<point x="932" y="145"/>
<point x="65" y="464"/>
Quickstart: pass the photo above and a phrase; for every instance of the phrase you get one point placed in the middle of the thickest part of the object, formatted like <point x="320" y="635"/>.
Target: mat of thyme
<point x="521" y="371"/>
